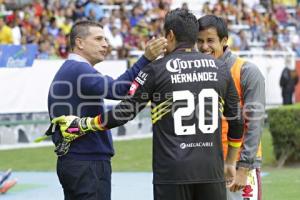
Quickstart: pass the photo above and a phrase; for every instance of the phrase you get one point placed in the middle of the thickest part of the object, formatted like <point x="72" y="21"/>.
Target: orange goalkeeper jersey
<point x="236" y="75"/>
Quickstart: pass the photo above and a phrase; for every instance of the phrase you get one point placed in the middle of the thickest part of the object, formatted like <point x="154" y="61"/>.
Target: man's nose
<point x="204" y="46"/>
<point x="105" y="44"/>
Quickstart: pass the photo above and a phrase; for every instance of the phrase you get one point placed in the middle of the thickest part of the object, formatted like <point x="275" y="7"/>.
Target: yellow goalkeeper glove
<point x="72" y="127"/>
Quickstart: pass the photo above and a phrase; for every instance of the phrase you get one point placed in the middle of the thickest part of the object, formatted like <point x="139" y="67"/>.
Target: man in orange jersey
<point x="249" y="81"/>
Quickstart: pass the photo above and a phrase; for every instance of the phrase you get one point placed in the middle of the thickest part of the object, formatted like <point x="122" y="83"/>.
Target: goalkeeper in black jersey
<point x="188" y="91"/>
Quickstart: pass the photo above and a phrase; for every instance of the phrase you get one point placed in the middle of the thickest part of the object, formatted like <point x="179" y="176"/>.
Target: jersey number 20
<point x="190" y="108"/>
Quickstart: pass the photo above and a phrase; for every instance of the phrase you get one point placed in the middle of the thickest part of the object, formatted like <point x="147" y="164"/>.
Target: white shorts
<point x="252" y="191"/>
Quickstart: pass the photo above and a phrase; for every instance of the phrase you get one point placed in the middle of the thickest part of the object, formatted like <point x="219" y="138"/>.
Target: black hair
<point x="183" y="24"/>
<point x="212" y="21"/>
<point x="81" y="29"/>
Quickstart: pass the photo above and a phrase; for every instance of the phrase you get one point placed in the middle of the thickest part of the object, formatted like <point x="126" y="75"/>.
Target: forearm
<point x="251" y="142"/>
<point x="125" y="111"/>
<point x="128" y="108"/>
<point x="235" y="133"/>
<point x="133" y="71"/>
<point x="119" y="87"/>
<point x="254" y="111"/>
<point x="121" y="114"/>
<point x="232" y="155"/>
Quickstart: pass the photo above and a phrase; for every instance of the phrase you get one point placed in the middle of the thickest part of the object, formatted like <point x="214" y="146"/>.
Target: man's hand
<point x="240" y="180"/>
<point x="229" y="173"/>
<point x="72" y="127"/>
<point x="69" y="127"/>
<point x="155" y="47"/>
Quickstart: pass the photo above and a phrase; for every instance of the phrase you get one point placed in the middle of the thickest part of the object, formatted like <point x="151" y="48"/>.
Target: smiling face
<point x="209" y="42"/>
<point x="94" y="46"/>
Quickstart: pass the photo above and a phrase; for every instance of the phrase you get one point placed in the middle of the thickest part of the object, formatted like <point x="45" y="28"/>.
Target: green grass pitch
<point x="135" y="156"/>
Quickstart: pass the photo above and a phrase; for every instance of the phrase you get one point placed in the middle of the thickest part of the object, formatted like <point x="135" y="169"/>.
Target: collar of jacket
<point x="186" y="47"/>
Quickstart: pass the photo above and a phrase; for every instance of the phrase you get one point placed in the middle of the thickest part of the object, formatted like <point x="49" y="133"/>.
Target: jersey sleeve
<point x="253" y="85"/>
<point x="92" y="84"/>
<point x="232" y="112"/>
<point x="140" y="93"/>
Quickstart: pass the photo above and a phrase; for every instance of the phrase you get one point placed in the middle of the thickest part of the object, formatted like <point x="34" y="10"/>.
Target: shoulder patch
<point x="134" y="86"/>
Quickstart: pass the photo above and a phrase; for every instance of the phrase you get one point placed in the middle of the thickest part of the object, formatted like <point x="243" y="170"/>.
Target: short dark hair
<point x="212" y="21"/>
<point x="183" y="24"/>
<point x="81" y="29"/>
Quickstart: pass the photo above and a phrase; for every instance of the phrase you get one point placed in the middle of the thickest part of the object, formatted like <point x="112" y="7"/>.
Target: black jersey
<point x="188" y="92"/>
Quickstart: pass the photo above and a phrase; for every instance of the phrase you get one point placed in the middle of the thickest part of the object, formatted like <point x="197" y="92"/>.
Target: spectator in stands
<point x="115" y="39"/>
<point x="2" y="6"/>
<point x="52" y="28"/>
<point x="162" y="9"/>
<point x="258" y="22"/>
<point x="142" y="32"/>
<point x="147" y="4"/>
<point x="273" y="44"/>
<point x="92" y="15"/>
<point x="6" y="35"/>
<point x="66" y="26"/>
<point x="156" y="28"/>
<point x="95" y="8"/>
<point x="244" y="46"/>
<point x="116" y="20"/>
<point x="131" y="40"/>
<point x="234" y="41"/>
<point x="46" y="50"/>
<point x="61" y="44"/>
<point x="281" y="14"/>
<point x="136" y="14"/>
<point x="38" y="8"/>
<point x="295" y="40"/>
<point x="288" y="81"/>
<point x="78" y="13"/>
<point x="283" y="36"/>
<point x="205" y="8"/>
<point x="125" y="26"/>
<point x="16" y="30"/>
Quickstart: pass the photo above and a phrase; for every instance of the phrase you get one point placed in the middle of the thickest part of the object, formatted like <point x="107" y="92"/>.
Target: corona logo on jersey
<point x="177" y="65"/>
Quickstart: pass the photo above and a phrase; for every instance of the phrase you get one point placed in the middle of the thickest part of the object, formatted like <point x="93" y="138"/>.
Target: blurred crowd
<point x="128" y="24"/>
<point x="267" y="26"/>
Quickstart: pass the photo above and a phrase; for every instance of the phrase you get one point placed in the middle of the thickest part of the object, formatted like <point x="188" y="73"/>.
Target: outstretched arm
<point x="139" y="95"/>
<point x="109" y="88"/>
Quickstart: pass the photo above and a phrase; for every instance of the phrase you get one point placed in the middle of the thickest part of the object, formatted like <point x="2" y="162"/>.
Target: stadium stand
<point x="129" y="23"/>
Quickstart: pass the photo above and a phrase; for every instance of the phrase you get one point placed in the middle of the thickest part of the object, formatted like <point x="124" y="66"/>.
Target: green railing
<point x="23" y="122"/>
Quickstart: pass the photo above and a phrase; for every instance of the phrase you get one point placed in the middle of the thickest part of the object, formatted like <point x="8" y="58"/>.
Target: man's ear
<point x="224" y="41"/>
<point x="79" y="43"/>
<point x="171" y="35"/>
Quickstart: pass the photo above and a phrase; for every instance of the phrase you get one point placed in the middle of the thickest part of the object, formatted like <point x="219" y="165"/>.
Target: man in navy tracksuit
<point x="84" y="171"/>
